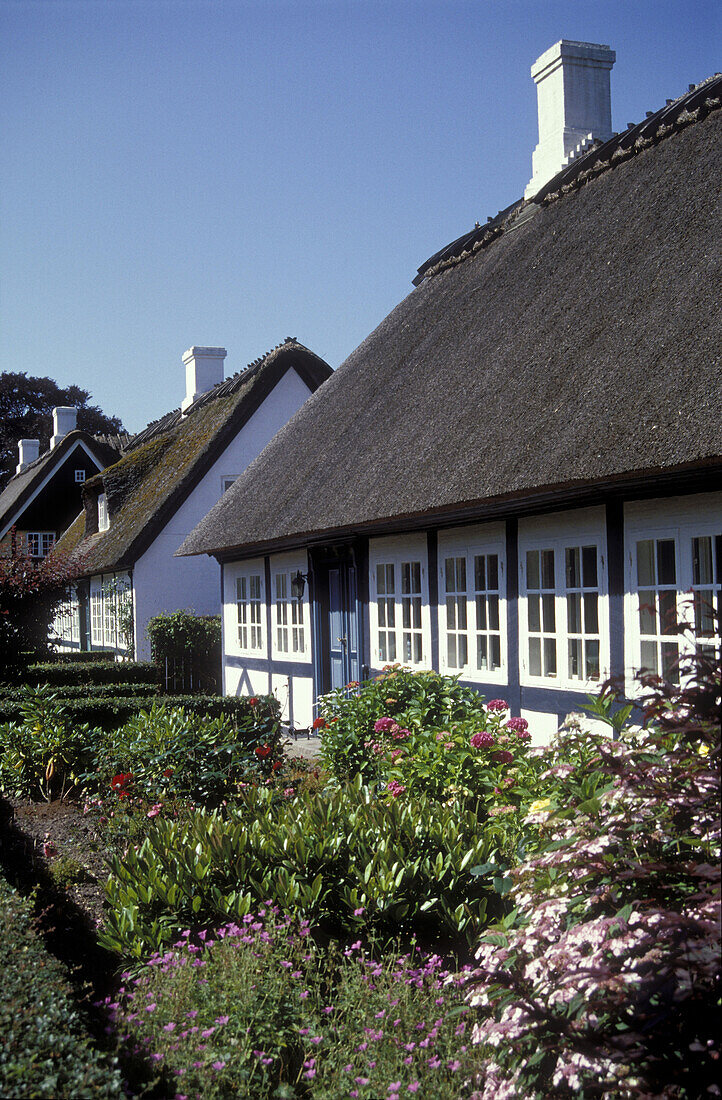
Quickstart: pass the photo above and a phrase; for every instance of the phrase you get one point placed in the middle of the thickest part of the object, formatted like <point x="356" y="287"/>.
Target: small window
<point x="80" y="476"/>
<point x="39" y="543"/>
<point x="249" y="606"/>
<point x="290" y="631"/>
<point x="103" y="517"/>
<point x="226" y="483"/>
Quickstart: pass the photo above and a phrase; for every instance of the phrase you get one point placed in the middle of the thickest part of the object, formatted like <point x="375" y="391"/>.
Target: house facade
<point x="138" y="511"/>
<point x="517" y="478"/>
<point x="42" y="498"/>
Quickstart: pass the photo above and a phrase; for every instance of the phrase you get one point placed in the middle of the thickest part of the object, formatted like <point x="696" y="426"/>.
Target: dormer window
<point x="80" y="476"/>
<point x="103" y="517"/>
<point x="226" y="482"/>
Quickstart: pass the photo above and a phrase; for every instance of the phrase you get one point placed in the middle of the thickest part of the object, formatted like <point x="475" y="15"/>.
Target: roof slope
<point x="580" y="344"/>
<point x="22" y="486"/>
<point x="167" y="459"/>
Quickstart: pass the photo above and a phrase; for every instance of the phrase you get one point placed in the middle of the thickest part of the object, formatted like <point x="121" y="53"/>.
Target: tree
<point x="30" y="593"/>
<point x="26" y="412"/>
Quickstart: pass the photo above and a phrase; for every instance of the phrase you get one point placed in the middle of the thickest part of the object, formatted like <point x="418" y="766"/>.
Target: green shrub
<point x="110" y="712"/>
<point x="8" y="693"/>
<point x="43" y="754"/>
<point x="45" y="1050"/>
<point x="275" y="1016"/>
<point x="81" y="656"/>
<point x="91" y="672"/>
<point x="415" y="700"/>
<point x="188" y="649"/>
<point x="352" y="860"/>
<point x="172" y="752"/>
<point x="423" y="732"/>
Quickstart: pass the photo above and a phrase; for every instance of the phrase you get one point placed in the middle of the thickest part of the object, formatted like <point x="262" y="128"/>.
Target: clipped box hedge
<point x="92" y="672"/>
<point x="89" y="691"/>
<point x="45" y="1049"/>
<point x="111" y="712"/>
<point x="82" y="656"/>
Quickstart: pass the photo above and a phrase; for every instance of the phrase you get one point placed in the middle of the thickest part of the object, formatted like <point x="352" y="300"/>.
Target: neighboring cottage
<point x="42" y="498"/>
<point x="517" y="477"/>
<point x="138" y="511"/>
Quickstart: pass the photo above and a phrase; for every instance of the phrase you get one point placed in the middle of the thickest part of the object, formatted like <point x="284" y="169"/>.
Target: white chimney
<point x="204" y="370"/>
<point x="64" y="421"/>
<point x="574" y="105"/>
<point x="28" y="451"/>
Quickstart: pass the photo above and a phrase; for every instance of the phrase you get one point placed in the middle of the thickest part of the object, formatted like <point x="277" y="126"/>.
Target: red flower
<point x="253" y="702"/>
<point x="502" y="757"/>
<point x="121" y="780"/>
<point x="319" y="723"/>
<point x="168" y="773"/>
<point x="262" y="751"/>
<point x="276" y="766"/>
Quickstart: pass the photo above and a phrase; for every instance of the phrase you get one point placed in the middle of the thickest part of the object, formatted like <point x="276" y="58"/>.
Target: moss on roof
<point x="150" y="482"/>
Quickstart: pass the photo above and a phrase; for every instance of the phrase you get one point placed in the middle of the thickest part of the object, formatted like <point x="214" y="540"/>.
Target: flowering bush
<point x="259" y="1010"/>
<point x="605" y="980"/>
<point x="423" y="732"/>
<point x="173" y="754"/>
<point x="30" y="592"/>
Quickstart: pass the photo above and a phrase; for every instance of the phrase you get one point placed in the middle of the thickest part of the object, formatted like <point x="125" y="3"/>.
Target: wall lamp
<point x="298" y="583"/>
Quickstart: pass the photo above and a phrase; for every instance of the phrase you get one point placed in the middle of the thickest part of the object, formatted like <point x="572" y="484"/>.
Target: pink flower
<point x="481" y="740"/>
<point x="395" y="788"/>
<point x="383" y="725"/>
<point x="519" y="725"/>
<point x="497" y="704"/>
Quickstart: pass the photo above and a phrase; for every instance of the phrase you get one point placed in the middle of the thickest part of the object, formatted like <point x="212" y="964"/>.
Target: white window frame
<point x="105" y="590"/>
<point x="67" y="619"/>
<point x="681" y="520"/>
<point x="559" y="532"/>
<point x="235" y="574"/>
<point x="470" y="543"/>
<point x="42" y="540"/>
<point x="80" y="476"/>
<point x="103" y="514"/>
<point x="96" y="611"/>
<point x="290" y="617"/>
<point x="397" y="552"/>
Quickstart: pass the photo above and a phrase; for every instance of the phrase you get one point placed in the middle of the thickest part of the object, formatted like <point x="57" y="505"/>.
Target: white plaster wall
<point x="302" y="688"/>
<point x="162" y="582"/>
<point x="239" y="681"/>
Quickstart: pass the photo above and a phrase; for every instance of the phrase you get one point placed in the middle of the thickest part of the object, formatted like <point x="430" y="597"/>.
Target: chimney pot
<point x="65" y="420"/>
<point x="28" y="451"/>
<point x="573" y="102"/>
<point x="204" y="370"/>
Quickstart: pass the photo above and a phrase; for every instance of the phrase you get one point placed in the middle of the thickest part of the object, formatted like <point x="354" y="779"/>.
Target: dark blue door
<point x="342" y="626"/>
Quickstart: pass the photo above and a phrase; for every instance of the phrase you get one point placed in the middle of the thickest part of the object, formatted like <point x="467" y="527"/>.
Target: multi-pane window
<point x="706" y="588"/>
<point x="411" y="612"/>
<point x="39" y="543"/>
<point x="96" y="615"/>
<point x="386" y="611"/>
<point x="657" y="572"/>
<point x="398" y="601"/>
<point x="249" y="609"/>
<point x="457" y="642"/>
<point x="541" y="613"/>
<point x="487" y="597"/>
<point x="80" y="476"/>
<point x="290" y="633"/>
<point x="582" y="599"/>
<point x="562" y="615"/>
<point x="108" y="595"/>
<point x="103" y="516"/>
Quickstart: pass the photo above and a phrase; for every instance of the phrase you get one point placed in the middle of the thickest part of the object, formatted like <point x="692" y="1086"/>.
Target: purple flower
<point x="209" y="1031"/>
<point x="481" y="740"/>
<point x="414" y="1086"/>
<point x="383" y="725"/>
<point x="169" y="1027"/>
<point x="520" y="725"/>
<point x="218" y="1065"/>
<point x="222" y="1019"/>
<point x="496" y="704"/>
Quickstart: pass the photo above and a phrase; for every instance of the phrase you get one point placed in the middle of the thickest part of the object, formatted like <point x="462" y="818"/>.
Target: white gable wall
<point x="162" y="582"/>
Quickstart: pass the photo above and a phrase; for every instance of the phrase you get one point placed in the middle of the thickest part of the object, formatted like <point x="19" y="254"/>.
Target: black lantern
<point x="298" y="583"/>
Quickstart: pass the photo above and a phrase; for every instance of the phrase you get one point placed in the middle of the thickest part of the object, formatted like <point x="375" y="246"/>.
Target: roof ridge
<point x="691" y="106"/>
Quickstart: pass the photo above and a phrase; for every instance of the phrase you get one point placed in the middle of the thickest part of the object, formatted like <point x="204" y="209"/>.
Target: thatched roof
<point x="21" y="487"/>
<point x="165" y="461"/>
<point x="577" y="344"/>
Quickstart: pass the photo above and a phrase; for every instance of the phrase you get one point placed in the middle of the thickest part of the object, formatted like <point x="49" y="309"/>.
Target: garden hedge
<point x="46" y="1050"/>
<point x="91" y="672"/>
<point x="9" y="692"/>
<point x="111" y="712"/>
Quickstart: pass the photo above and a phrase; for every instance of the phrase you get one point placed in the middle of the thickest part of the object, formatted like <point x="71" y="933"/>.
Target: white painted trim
<point x="678" y="518"/>
<point x="290" y="564"/>
<point x="394" y="550"/>
<point x="557" y="532"/>
<point x="231" y="645"/>
<point x="46" y="479"/>
<point x="484" y="539"/>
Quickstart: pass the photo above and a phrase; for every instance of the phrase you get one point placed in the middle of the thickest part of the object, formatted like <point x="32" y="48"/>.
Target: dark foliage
<point x="26" y="412"/>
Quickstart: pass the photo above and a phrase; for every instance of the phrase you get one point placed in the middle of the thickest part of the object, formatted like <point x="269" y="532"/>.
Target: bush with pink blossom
<point x="604" y="980"/>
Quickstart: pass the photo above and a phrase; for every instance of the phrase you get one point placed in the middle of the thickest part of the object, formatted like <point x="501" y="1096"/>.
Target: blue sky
<point x="182" y="172"/>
